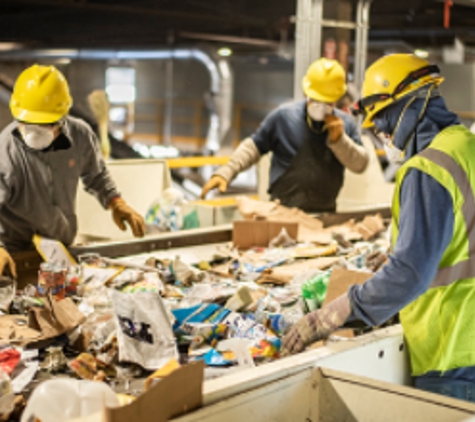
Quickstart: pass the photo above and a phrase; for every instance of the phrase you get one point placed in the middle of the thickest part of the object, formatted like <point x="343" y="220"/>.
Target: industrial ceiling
<point x="250" y="25"/>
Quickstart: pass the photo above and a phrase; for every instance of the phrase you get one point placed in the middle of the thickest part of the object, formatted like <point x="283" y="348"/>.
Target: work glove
<point x="335" y="127"/>
<point x="7" y="261"/>
<point x="316" y="325"/>
<point x="215" y="182"/>
<point x="122" y="212"/>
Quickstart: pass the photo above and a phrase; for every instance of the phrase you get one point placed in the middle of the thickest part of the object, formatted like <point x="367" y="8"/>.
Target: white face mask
<point x="37" y="137"/>
<point x="317" y="111"/>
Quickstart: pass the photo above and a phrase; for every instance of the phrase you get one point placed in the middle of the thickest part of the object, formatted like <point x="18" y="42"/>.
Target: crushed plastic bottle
<point x="314" y="290"/>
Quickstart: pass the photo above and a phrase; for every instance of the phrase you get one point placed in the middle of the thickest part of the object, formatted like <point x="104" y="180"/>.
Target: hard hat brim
<point x="35" y="117"/>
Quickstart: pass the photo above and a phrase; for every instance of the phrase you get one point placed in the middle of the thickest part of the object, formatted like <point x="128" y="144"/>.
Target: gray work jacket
<point x="38" y="188"/>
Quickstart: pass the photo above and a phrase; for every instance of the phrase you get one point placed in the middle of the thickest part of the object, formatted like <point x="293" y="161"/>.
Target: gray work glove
<point x="316" y="325"/>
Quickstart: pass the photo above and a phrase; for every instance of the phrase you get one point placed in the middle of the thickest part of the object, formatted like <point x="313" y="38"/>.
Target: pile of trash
<point x="129" y="322"/>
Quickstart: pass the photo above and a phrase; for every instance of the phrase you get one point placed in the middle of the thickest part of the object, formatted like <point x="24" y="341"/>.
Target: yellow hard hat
<point x="392" y="77"/>
<point x="40" y="95"/>
<point x="325" y="81"/>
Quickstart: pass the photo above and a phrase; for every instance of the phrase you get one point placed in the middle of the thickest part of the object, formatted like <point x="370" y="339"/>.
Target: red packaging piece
<point x="9" y="359"/>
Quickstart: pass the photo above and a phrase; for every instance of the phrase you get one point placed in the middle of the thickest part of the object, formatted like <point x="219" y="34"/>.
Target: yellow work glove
<point x="7" y="261"/>
<point x="335" y="127"/>
<point x="213" y="183"/>
<point x="122" y="212"/>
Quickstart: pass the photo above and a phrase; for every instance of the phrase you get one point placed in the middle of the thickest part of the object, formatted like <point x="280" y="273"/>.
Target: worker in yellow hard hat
<point x="43" y="154"/>
<point x="430" y="276"/>
<point x="312" y="142"/>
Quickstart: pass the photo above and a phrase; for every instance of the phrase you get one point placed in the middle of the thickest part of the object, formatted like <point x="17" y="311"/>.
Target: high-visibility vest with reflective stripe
<point x="439" y="326"/>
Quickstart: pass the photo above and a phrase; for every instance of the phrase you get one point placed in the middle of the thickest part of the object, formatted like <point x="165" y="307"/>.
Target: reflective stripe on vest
<point x="463" y="269"/>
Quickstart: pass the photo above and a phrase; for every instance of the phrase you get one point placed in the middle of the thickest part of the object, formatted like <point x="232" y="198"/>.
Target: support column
<point x="308" y="39"/>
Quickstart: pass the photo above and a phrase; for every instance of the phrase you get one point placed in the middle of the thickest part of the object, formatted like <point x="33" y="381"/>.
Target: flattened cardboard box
<point x="247" y="234"/>
<point x="178" y="393"/>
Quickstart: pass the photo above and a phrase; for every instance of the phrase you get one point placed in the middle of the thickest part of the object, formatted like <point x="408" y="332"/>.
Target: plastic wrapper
<point x="215" y="358"/>
<point x="206" y="292"/>
<point x="186" y="274"/>
<point x="59" y="400"/>
<point x="88" y="367"/>
<point x="283" y="239"/>
<point x="314" y="290"/>
<point x="9" y="359"/>
<point x="144" y="332"/>
<point x="266" y="349"/>
<point x="202" y="333"/>
<point x="55" y="360"/>
<point x="74" y="280"/>
<point x="166" y="212"/>
<point x="245" y="327"/>
<point x="150" y="283"/>
<point x="208" y="312"/>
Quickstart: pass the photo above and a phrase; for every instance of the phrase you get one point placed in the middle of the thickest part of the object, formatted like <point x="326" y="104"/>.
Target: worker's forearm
<point x="350" y="154"/>
<point x="245" y="156"/>
<point x="425" y="230"/>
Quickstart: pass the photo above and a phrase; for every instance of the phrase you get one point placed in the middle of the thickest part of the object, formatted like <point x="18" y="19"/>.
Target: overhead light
<point x="423" y="54"/>
<point x="225" y="52"/>
<point x="6" y="46"/>
<point x="63" y="61"/>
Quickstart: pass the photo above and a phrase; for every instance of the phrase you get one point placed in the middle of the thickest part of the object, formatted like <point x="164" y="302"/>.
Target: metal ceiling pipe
<point x="220" y="76"/>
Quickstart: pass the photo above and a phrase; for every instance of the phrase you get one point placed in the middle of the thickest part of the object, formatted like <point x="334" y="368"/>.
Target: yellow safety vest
<point x="439" y="326"/>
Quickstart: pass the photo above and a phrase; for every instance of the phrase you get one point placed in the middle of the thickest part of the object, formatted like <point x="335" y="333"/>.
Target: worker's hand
<point x="335" y="127"/>
<point x="316" y="325"/>
<point x="122" y="212"/>
<point x="6" y="262"/>
<point x="213" y="183"/>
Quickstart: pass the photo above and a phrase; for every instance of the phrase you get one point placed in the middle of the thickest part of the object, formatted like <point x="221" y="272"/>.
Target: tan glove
<point x="213" y="183"/>
<point x="316" y="325"/>
<point x="7" y="261"/>
<point x="335" y="127"/>
<point x="122" y="212"/>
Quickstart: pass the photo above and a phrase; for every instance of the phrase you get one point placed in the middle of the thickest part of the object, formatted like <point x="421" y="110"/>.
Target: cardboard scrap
<point x="370" y="226"/>
<point x="320" y="237"/>
<point x="247" y="234"/>
<point x="163" y="372"/>
<point x="273" y="211"/>
<point x="314" y="251"/>
<point x="56" y="318"/>
<point x="14" y="330"/>
<point x="178" y="393"/>
<point x="341" y="280"/>
<point x="285" y="273"/>
<point x="310" y="229"/>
